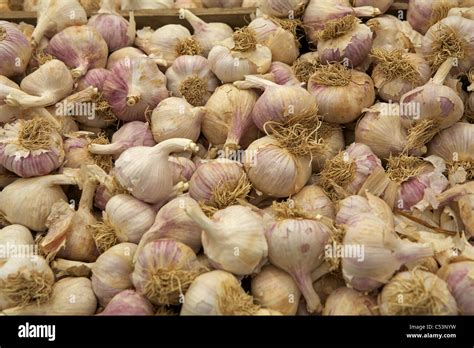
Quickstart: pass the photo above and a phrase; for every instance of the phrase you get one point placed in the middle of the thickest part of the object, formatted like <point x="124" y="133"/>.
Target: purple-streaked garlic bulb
<point x="346" y="301"/>
<point x="133" y="168"/>
<point x="164" y="270"/>
<point x="115" y="30"/>
<point x="341" y="93"/>
<point x="182" y="168"/>
<point x="172" y="222"/>
<point x="135" y="86"/>
<point x="131" y="52"/>
<point x="81" y="48"/>
<point x="282" y="9"/>
<point x="15" y="50"/>
<point x="233" y="239"/>
<point x="422" y="14"/>
<point x="331" y="140"/>
<point x="377" y="251"/>
<point x="382" y="5"/>
<point x="219" y="183"/>
<point x="313" y="200"/>
<point x="460" y="279"/>
<point x="176" y="118"/>
<point x="95" y="78"/>
<point x="128" y="302"/>
<point x="135" y="133"/>
<point x="392" y="33"/>
<point x="56" y="15"/>
<point x="168" y="42"/>
<point x="239" y="55"/>
<point x="207" y="34"/>
<point x="305" y="66"/>
<point x="282" y="42"/>
<point x="228" y="117"/>
<point x="47" y="85"/>
<point x="348" y="170"/>
<point x="190" y="77"/>
<point x="76" y="152"/>
<point x="31" y="147"/>
<point x="283" y="74"/>
<point x="344" y="39"/>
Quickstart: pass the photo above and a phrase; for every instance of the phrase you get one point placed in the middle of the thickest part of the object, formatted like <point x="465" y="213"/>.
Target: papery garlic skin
<point x="459" y="277"/>
<point x="7" y="113"/>
<point x="15" y="235"/>
<point x="382" y="5"/>
<point x="281" y="9"/>
<point x="420" y="13"/>
<point x="134" y="86"/>
<point x="283" y="74"/>
<point x="233" y="239"/>
<point x="346" y="301"/>
<point x="190" y="77"/>
<point x="80" y="48"/>
<point x="145" y="4"/>
<point x="417" y="293"/>
<point x="392" y="33"/>
<point x="172" y="222"/>
<point x="312" y="199"/>
<point x="273" y="170"/>
<point x="275" y="289"/>
<point x="131" y="52"/>
<point x="182" y="168"/>
<point x="176" y="118"/>
<point x="128" y="302"/>
<point x="111" y="273"/>
<point x="95" y="78"/>
<point x="15" y="50"/>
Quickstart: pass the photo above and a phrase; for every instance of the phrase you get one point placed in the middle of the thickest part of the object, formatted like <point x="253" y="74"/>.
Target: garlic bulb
<point x="466" y="12"/>
<point x="234" y="239"/>
<point x="69" y="234"/>
<point x="347" y="172"/>
<point x="275" y="289"/>
<point x="228" y="118"/>
<point x="238" y="56"/>
<point x="71" y="296"/>
<point x="383" y="251"/>
<point x="131" y="52"/>
<point x="417" y="293"/>
<point x="279" y="39"/>
<point x="430" y="108"/>
<point x="77" y="153"/>
<point x="327" y="284"/>
<point x="176" y="118"/>
<point x="219" y="184"/>
<point x="341" y="93"/>
<point x="182" y="4"/>
<point x="14" y="235"/>
<point x="145" y="4"/>
<point x="451" y="37"/>
<point x="134" y="86"/>
<point x="164" y="270"/>
<point x="282" y="9"/>
<point x="112" y="271"/>
<point x="296" y="245"/>
<point x="344" y="39"/>
<point x="455" y="145"/>
<point x="206" y="34"/>
<point x="397" y="72"/>
<point x="305" y="66"/>
<point x="131" y="134"/>
<point x="24" y="279"/>
<point x="114" y="29"/>
<point x="15" y="50"/>
<point x="94" y="78"/>
<point x="422" y="14"/>
<point x="45" y="86"/>
<point x="283" y="74"/>
<point x="191" y="78"/>
<point x="31" y="147"/>
<point x="15" y="199"/>
<point x="128" y="302"/>
<point x="182" y="168"/>
<point x="392" y="33"/>
<point x="7" y="113"/>
<point x="312" y="199"/>
<point x="459" y="277"/>
<point x="217" y="293"/>
<point x="125" y="219"/>
<point x="346" y="301"/>
<point x="133" y="168"/>
<point x="167" y="42"/>
<point x="382" y="5"/>
<point x="80" y="47"/>
<point x="172" y="222"/>
<point x="56" y="15"/>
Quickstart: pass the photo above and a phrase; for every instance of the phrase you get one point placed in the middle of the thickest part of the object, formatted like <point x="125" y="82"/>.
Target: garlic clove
<point x="346" y="301"/>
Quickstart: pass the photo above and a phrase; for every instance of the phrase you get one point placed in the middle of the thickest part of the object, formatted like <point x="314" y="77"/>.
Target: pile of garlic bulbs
<point x="318" y="161"/>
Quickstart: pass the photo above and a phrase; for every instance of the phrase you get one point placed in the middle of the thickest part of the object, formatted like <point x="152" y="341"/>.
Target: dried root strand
<point x="287" y="24"/>
<point x="24" y="290"/>
<point x="193" y="89"/>
<point x="35" y="134"/>
<point x="418" y="298"/>
<point x="395" y="65"/>
<point x="3" y="33"/>
<point x="336" y="175"/>
<point x="103" y="161"/>
<point x="403" y="167"/>
<point x="448" y="44"/>
<point x="245" y="39"/>
<point x="42" y="57"/>
<point x="421" y="133"/>
<point x="440" y="11"/>
<point x="337" y="236"/>
<point x="166" y="285"/>
<point x="304" y="69"/>
<point x="468" y="166"/>
<point x="373" y="24"/>
<point x="103" y="107"/>
<point x="104" y="235"/>
<point x="188" y="47"/>
<point x="337" y="27"/>
<point x="164" y="311"/>
<point x="234" y="301"/>
<point x="335" y="74"/>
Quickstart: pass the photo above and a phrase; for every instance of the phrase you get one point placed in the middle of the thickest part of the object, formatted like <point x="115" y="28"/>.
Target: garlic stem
<point x="366" y="11"/>
<point x="252" y="81"/>
<point x="27" y="101"/>
<point x="82" y="96"/>
<point x="174" y="145"/>
<point x="63" y="265"/>
<point x="195" y="213"/>
<point x="133" y="99"/>
<point x="321" y="271"/>
<point x="196" y="22"/>
<point x="59" y="179"/>
<point x="78" y="72"/>
<point x="107" y="7"/>
<point x="88" y="194"/>
<point x="443" y="71"/>
<point x="313" y="303"/>
<point x="409" y="251"/>
<point x="107" y="149"/>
